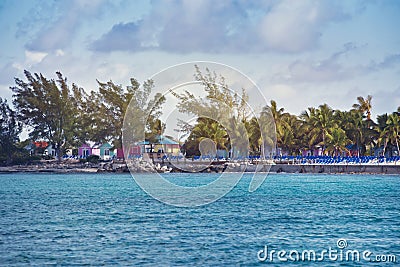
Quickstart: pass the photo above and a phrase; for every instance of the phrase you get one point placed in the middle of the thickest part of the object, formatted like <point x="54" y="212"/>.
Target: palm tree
<point x="276" y="113"/>
<point x="337" y="141"/>
<point x="310" y="132"/>
<point x="364" y="105"/>
<point x="361" y="133"/>
<point x="206" y="128"/>
<point x="381" y="129"/>
<point x="293" y="134"/>
<point x="280" y="124"/>
<point x="238" y="138"/>
<point x="393" y="129"/>
<point x="156" y="129"/>
<point x="254" y="133"/>
<point x="261" y="132"/>
<point x="319" y="123"/>
<point x="287" y="139"/>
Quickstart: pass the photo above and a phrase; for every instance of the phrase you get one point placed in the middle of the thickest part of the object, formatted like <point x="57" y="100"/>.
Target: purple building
<point x="84" y="150"/>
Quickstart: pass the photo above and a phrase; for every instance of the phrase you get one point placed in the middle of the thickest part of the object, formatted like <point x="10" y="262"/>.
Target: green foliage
<point x="111" y="103"/>
<point x="364" y="105"/>
<point x="222" y="114"/>
<point x="141" y="117"/>
<point x="66" y="116"/>
<point x="205" y="128"/>
<point x="337" y="141"/>
<point x="331" y="130"/>
<point x="93" y="159"/>
<point x="10" y="129"/>
<point x="48" y="108"/>
<point x="392" y="130"/>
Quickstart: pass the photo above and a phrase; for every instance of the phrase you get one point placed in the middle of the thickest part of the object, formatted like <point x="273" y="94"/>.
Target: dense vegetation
<point x="66" y="116"/>
<point x="333" y="132"/>
<point x="336" y="131"/>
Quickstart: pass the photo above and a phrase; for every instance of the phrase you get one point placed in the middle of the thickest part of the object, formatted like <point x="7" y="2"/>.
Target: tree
<point x="141" y="121"/>
<point x="238" y="139"/>
<point x="292" y="135"/>
<point x="255" y="141"/>
<point x="154" y="131"/>
<point x="110" y="107"/>
<point x="223" y="106"/>
<point x="261" y="132"/>
<point x="364" y="105"/>
<point x="47" y="108"/>
<point x="337" y="141"/>
<point x="354" y="126"/>
<point x="282" y="129"/>
<point x="382" y="130"/>
<point x="10" y="129"/>
<point x="319" y="124"/>
<point x="393" y="129"/>
<point x="206" y="128"/>
<point x="84" y="116"/>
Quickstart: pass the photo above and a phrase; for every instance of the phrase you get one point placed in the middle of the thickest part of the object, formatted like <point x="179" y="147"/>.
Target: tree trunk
<point x="9" y="159"/>
<point x="384" y="147"/>
<point x="58" y="154"/>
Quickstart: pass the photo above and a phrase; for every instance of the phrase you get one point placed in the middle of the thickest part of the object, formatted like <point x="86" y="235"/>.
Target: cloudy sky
<point x="300" y="53"/>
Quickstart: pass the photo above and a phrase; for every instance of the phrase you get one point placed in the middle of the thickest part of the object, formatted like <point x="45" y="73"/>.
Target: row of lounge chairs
<point x="293" y="159"/>
<point x="338" y="160"/>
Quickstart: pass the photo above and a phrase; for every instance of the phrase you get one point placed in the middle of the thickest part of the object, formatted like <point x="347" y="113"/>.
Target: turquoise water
<point x="106" y="219"/>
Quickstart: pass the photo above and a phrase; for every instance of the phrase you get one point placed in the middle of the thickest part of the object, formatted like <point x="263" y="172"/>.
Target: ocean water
<point x="106" y="219"/>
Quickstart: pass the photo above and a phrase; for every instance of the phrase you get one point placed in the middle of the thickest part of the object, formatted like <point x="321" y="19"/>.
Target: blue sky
<point x="300" y="53"/>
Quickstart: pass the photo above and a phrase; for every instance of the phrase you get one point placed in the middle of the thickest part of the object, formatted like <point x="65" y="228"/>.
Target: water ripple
<point x="100" y="219"/>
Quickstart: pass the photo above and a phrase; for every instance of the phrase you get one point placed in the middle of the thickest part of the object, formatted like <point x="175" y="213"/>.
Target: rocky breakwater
<point x="143" y="166"/>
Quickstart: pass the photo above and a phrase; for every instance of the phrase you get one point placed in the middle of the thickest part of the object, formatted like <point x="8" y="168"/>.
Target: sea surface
<point x="106" y="219"/>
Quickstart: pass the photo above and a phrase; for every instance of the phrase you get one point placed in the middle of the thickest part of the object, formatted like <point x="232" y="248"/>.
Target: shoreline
<point x="262" y="168"/>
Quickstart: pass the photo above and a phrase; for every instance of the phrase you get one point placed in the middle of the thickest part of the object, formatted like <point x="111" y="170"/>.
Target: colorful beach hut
<point x="166" y="145"/>
<point x="50" y="151"/>
<point x="106" y="151"/>
<point x="84" y="151"/>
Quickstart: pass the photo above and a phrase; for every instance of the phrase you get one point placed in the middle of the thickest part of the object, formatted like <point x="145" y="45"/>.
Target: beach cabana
<point x="84" y="151"/>
<point x="166" y="145"/>
<point x="36" y="148"/>
<point x="120" y="153"/>
<point x="50" y="151"/>
<point x="105" y="151"/>
<point x="96" y="149"/>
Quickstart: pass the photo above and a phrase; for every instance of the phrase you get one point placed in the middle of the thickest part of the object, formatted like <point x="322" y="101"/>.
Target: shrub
<point x="93" y="158"/>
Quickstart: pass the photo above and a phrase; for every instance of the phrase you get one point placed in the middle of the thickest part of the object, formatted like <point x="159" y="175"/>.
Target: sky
<point x="299" y="53"/>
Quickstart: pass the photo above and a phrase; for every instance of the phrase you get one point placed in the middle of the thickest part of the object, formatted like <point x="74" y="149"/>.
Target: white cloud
<point x="223" y="27"/>
<point x="282" y="91"/>
<point x="60" y="32"/>
<point x="113" y="71"/>
<point x="60" y="52"/>
<point x="295" y="26"/>
<point x="334" y="68"/>
<point x="32" y="57"/>
<point x="277" y="43"/>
